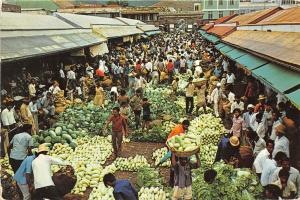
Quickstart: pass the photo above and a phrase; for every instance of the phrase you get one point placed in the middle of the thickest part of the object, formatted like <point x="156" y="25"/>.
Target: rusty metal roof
<point x="287" y="16"/>
<point x="254" y="17"/>
<point x="222" y="31"/>
<point x="207" y="26"/>
<point x="282" y="46"/>
<point x="224" y="19"/>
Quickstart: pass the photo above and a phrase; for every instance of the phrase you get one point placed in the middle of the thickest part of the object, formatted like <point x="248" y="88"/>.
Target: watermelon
<point x="67" y="137"/>
<point x="58" y="130"/>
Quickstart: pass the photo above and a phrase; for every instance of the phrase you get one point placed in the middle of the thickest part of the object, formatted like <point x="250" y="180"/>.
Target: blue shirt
<point x="20" y="142"/>
<point x="25" y="168"/>
<point x="217" y="72"/>
<point x="123" y="190"/>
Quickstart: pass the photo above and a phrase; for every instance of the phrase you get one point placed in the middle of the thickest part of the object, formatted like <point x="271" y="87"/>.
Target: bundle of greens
<point x="230" y="184"/>
<point x="149" y="177"/>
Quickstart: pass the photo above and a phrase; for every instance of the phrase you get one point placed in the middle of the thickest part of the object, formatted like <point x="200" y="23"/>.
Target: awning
<point x="235" y="53"/>
<point x="116" y="31"/>
<point x="99" y="49"/>
<point x="220" y="45"/>
<point x="14" y="48"/>
<point x="211" y="38"/>
<point x="226" y="48"/>
<point x="251" y="62"/>
<point x="295" y="98"/>
<point x="149" y="33"/>
<point x="144" y="36"/>
<point x="279" y="78"/>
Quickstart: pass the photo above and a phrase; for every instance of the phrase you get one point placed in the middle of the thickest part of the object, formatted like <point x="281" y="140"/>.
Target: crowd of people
<point x="254" y="115"/>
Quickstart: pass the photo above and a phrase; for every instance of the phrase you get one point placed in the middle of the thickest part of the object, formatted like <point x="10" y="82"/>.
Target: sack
<point x="64" y="180"/>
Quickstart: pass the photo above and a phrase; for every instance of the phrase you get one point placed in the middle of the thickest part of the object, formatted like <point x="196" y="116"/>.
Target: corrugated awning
<point x="149" y="33"/>
<point x="220" y="45"/>
<point x="295" y="98"/>
<point x="278" y="77"/>
<point x="226" y="48"/>
<point x="210" y="37"/>
<point x="251" y="62"/>
<point x="235" y="53"/>
<point x="116" y="31"/>
<point x="14" y="48"/>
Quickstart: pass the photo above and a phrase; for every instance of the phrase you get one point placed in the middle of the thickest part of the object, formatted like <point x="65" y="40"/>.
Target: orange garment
<point x="176" y="131"/>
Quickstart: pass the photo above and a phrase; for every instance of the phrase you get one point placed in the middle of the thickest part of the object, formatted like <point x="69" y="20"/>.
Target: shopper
<point x="119" y="128"/>
<point x="123" y="189"/>
<point x="146" y="114"/>
<point x="287" y="187"/>
<point x="136" y="106"/>
<point x="281" y="141"/>
<point x="237" y="123"/>
<point x="215" y="98"/>
<point x="99" y="96"/>
<point x="189" y="97"/>
<point x="228" y="150"/>
<point x="180" y="128"/>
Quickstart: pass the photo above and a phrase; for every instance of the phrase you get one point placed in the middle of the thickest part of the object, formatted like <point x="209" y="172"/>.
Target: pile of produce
<point x="102" y="193"/>
<point x="208" y="154"/>
<point x="153" y="193"/>
<point x="183" y="143"/>
<point x="88" y="117"/>
<point x="149" y="177"/>
<point x="230" y="184"/>
<point x="131" y="163"/>
<point x="158" y="155"/>
<point x="60" y="133"/>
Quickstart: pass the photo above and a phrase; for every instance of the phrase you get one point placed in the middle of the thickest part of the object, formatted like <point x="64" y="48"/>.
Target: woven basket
<point x="199" y="83"/>
<point x="185" y="153"/>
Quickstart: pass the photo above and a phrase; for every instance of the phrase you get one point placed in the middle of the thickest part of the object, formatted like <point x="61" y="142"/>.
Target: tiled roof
<point x="222" y="31"/>
<point x="287" y="16"/>
<point x="207" y="26"/>
<point x="254" y="17"/>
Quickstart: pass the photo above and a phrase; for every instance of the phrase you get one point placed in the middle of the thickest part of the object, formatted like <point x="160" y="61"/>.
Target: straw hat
<point x="234" y="141"/>
<point x="261" y="97"/>
<point x="280" y="128"/>
<point x="43" y="147"/>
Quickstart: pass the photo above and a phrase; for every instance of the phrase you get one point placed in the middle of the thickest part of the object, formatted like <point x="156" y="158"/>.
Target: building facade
<point x="215" y="9"/>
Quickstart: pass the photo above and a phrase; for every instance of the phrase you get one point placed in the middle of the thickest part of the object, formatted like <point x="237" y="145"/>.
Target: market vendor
<point x="228" y="150"/>
<point x="180" y="128"/>
<point x="183" y="177"/>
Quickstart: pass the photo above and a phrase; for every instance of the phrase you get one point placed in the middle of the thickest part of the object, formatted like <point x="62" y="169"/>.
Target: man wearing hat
<point x="215" y="97"/>
<point x="41" y="167"/>
<point x="281" y="142"/>
<point x="228" y="148"/>
<point x="248" y="115"/>
<point x="261" y="106"/>
<point x="20" y="145"/>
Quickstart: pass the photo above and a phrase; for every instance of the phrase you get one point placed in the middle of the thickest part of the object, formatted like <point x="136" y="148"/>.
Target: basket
<point x="199" y="83"/>
<point x="185" y="153"/>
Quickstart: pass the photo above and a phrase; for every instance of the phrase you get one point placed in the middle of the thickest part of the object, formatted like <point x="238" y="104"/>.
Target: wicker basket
<point x="185" y="153"/>
<point x="199" y="83"/>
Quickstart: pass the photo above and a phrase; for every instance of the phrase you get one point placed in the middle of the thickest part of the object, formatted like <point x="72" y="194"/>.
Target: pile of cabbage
<point x="158" y="154"/>
<point x="229" y="184"/>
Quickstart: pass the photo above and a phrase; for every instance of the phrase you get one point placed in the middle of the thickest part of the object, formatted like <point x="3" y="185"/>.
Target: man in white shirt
<point x="237" y="104"/>
<point x="89" y="70"/>
<point x="7" y="116"/>
<point x="258" y="124"/>
<point x="71" y="76"/>
<point x="215" y="97"/>
<point x="294" y="174"/>
<point x="281" y="142"/>
<point x="225" y="65"/>
<point x="262" y="156"/>
<point x="269" y="167"/>
<point x="276" y="122"/>
<point x="247" y="115"/>
<point x="41" y="167"/>
<point x="140" y="83"/>
<point x="198" y="71"/>
<point x="31" y="88"/>
<point x="230" y="78"/>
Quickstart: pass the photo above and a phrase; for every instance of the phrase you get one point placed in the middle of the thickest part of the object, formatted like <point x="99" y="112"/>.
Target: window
<point x="221" y="2"/>
<point x="231" y="12"/>
<point x="197" y="7"/>
<point x="210" y="15"/>
<point x="143" y="17"/>
<point x="151" y="17"/>
<point x="210" y="2"/>
<point x="138" y="17"/>
<point x="220" y="14"/>
<point x="231" y="2"/>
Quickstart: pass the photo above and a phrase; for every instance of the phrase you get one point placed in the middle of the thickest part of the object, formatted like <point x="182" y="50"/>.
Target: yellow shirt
<point x="190" y="90"/>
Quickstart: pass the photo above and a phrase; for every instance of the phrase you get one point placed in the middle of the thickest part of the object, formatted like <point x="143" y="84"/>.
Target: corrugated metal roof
<point x="224" y="19"/>
<point x="14" y="48"/>
<point x="131" y="22"/>
<point x="116" y="31"/>
<point x="45" y="4"/>
<point x="85" y="21"/>
<point x="288" y="16"/>
<point x="207" y="26"/>
<point x="283" y="46"/>
<point x="222" y="31"/>
<point x="254" y="17"/>
<point x="20" y="21"/>
<point x="148" y="27"/>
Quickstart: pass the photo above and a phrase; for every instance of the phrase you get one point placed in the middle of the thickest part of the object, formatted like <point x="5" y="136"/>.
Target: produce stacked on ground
<point x="131" y="163"/>
<point x="158" y="155"/>
<point x="149" y="177"/>
<point x="5" y="166"/>
<point x="229" y="184"/>
<point x="153" y="193"/>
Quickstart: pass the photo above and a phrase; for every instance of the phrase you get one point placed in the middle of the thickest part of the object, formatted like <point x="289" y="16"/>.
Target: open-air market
<point x="99" y="104"/>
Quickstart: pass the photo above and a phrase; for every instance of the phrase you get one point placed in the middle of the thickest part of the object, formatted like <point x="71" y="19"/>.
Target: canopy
<point x="116" y="31"/>
<point x="226" y="48"/>
<point x="235" y="53"/>
<point x="251" y="62"/>
<point x="295" y="98"/>
<point x="149" y="33"/>
<point x="211" y="38"/>
<point x="13" y="48"/>
<point x="278" y="77"/>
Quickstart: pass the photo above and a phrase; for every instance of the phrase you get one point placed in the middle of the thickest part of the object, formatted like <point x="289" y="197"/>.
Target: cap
<point x="250" y="106"/>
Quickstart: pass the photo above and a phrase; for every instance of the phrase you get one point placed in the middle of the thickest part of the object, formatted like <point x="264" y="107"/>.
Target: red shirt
<point x="118" y="123"/>
<point x="170" y="66"/>
<point x="99" y="73"/>
<point x="176" y="131"/>
<point x="138" y="67"/>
